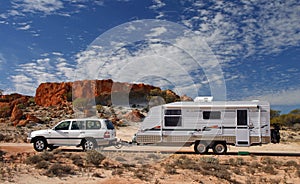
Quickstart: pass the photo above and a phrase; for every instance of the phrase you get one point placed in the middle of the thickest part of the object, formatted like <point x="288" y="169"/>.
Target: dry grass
<point x="59" y="170"/>
<point x="194" y="168"/>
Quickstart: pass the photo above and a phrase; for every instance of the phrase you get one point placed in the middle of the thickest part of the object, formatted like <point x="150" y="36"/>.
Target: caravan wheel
<point x="201" y="147"/>
<point x="220" y="148"/>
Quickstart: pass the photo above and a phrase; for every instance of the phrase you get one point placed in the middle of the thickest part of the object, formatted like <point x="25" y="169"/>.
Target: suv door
<point x="60" y="134"/>
<point x="95" y="129"/>
<point x="77" y="132"/>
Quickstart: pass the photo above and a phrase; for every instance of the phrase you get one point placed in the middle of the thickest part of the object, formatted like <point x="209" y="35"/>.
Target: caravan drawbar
<point x="207" y="125"/>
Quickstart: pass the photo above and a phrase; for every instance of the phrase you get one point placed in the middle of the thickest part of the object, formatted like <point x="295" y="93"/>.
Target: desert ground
<point x="20" y="163"/>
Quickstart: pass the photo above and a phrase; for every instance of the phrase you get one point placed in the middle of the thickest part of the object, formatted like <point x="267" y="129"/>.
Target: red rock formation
<point x="134" y="116"/>
<point x="53" y="94"/>
<point x="16" y="114"/>
<point x="12" y="105"/>
<point x="32" y="118"/>
<point x="11" y="102"/>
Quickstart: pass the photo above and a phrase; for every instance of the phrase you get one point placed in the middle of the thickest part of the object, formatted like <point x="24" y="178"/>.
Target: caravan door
<point x="242" y="128"/>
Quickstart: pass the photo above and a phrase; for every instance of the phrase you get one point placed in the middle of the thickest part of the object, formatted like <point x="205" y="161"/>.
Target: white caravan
<point x="207" y="124"/>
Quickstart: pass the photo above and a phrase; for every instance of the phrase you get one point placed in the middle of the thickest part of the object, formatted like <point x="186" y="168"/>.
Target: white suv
<point x="88" y="133"/>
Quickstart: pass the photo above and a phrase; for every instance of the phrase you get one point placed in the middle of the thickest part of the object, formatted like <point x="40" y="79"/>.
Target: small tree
<point x="82" y="103"/>
<point x="1" y="92"/>
<point x="94" y="157"/>
<point x="295" y="111"/>
<point x="274" y="113"/>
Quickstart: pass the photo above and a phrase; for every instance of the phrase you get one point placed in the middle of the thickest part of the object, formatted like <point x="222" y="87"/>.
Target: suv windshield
<point x="109" y="125"/>
<point x="63" y="126"/>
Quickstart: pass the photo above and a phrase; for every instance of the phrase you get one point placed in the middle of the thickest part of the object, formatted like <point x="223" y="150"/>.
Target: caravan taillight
<point x="106" y="135"/>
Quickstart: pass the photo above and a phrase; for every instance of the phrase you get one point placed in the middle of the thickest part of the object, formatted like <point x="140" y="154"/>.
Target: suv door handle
<point x="82" y="132"/>
<point x="66" y="132"/>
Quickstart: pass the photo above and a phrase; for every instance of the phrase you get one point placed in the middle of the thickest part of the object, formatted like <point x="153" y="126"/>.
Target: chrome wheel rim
<point x="88" y="145"/>
<point x="201" y="148"/>
<point x="40" y="144"/>
<point x="220" y="148"/>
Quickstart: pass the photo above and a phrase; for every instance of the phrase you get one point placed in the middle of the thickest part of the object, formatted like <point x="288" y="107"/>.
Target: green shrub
<point x="210" y="160"/>
<point x="268" y="161"/>
<point x="98" y="175"/>
<point x="82" y="103"/>
<point x="170" y="170"/>
<point x="77" y="160"/>
<point x="46" y="155"/>
<point x="42" y="165"/>
<point x="153" y="156"/>
<point x="269" y="169"/>
<point x="2" y="137"/>
<point x="118" y="171"/>
<point x="298" y="173"/>
<point x="100" y="108"/>
<point x="33" y="159"/>
<point x="59" y="170"/>
<point x="291" y="163"/>
<point x="143" y="173"/>
<point x="94" y="157"/>
<point x="240" y="161"/>
<point x="121" y="159"/>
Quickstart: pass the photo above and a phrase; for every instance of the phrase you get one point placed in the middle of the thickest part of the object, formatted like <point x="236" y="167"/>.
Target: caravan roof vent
<point x="203" y="99"/>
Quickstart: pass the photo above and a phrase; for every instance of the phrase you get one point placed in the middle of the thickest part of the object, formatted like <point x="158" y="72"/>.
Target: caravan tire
<point x="220" y="148"/>
<point x="201" y="147"/>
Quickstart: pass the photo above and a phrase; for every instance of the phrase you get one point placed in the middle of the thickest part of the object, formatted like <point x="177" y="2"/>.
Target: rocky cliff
<point x="105" y="92"/>
<point x="57" y="100"/>
<point x="12" y="106"/>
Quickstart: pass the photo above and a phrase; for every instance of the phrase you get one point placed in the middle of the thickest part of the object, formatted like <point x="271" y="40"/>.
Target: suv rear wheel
<point x="40" y="144"/>
<point x="89" y="144"/>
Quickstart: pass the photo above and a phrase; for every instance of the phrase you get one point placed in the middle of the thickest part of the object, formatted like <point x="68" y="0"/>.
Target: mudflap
<point x="275" y="134"/>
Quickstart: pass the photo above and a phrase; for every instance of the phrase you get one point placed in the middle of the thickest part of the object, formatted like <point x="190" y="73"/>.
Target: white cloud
<point x="284" y="97"/>
<point x="157" y="32"/>
<point x="51" y="68"/>
<point x="25" y="27"/>
<point x="237" y="30"/>
<point x="57" y="53"/>
<point x="33" y="6"/>
<point x="166" y="66"/>
<point x="157" y="4"/>
<point x="2" y="60"/>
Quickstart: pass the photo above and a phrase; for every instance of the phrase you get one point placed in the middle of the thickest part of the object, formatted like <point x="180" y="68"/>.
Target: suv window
<point x="77" y="125"/>
<point x="109" y="125"/>
<point x="92" y="124"/>
<point x="63" y="126"/>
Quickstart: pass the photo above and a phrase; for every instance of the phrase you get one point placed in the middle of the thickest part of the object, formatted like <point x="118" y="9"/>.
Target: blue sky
<point x="246" y="49"/>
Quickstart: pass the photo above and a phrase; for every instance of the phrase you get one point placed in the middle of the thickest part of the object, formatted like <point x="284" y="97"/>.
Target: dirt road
<point x="269" y="148"/>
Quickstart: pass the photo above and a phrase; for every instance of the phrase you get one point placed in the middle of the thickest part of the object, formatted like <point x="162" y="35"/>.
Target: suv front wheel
<point x="89" y="144"/>
<point x="40" y="144"/>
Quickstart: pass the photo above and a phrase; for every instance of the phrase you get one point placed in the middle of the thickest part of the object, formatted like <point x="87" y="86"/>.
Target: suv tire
<point x="40" y="144"/>
<point x="89" y="144"/>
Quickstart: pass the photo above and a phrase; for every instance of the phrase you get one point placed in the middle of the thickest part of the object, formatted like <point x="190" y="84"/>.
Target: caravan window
<point x="211" y="115"/>
<point x="173" y="112"/>
<point x="172" y="121"/>
<point x="173" y="117"/>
